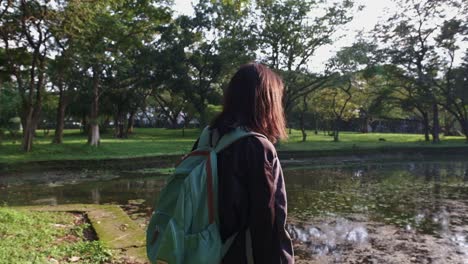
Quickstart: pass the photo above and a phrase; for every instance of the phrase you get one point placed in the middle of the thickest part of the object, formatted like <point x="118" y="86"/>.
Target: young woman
<point x="252" y="195"/>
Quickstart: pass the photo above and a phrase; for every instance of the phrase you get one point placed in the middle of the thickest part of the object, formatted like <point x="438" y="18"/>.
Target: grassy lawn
<point x="352" y="140"/>
<point x="44" y="237"/>
<point x="144" y="142"/>
<point x="157" y="141"/>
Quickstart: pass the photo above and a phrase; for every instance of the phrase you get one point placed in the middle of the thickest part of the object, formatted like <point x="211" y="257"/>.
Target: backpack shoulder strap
<point x="233" y="136"/>
<point x="205" y="138"/>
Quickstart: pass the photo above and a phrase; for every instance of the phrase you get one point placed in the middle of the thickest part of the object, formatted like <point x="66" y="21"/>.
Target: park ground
<point x="71" y="235"/>
<point x="47" y="237"/>
<point x="159" y="142"/>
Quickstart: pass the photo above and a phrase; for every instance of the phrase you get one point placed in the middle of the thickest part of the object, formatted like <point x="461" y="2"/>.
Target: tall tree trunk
<point x="60" y="122"/>
<point x="32" y="104"/>
<point x="116" y="124"/>
<point x="301" y="121"/>
<point x="131" y="122"/>
<point x="365" y="124"/>
<point x="203" y="118"/>
<point x="448" y="124"/>
<point x="31" y="121"/>
<point x="121" y="125"/>
<point x="84" y="123"/>
<point x="316" y="121"/>
<point x="302" y="117"/>
<point x="32" y="114"/>
<point x="436" y="124"/>
<point x="94" y="136"/>
<point x="336" y="130"/>
<point x="28" y="131"/>
<point x="426" y="126"/>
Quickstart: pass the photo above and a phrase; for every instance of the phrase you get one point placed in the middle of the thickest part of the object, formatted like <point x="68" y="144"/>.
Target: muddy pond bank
<point x="391" y="210"/>
<point x="293" y="158"/>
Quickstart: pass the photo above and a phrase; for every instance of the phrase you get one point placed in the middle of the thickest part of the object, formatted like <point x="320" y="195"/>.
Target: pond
<point x="405" y="212"/>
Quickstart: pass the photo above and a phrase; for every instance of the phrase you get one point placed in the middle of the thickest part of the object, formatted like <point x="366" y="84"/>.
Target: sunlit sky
<point x="365" y="20"/>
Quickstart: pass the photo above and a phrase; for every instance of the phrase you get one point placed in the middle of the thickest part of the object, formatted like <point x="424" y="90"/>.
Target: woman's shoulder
<point x="259" y="145"/>
<point x="254" y="144"/>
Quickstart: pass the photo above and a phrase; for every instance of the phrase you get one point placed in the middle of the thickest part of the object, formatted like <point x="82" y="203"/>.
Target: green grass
<point x="39" y="237"/>
<point x="158" y="141"/>
<point x="352" y="140"/>
<point x="144" y="142"/>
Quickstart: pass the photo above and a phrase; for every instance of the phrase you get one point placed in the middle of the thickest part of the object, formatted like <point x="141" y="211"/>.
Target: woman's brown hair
<point x="253" y="100"/>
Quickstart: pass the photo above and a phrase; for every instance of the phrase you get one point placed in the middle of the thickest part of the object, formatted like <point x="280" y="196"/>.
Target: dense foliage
<point x="111" y="63"/>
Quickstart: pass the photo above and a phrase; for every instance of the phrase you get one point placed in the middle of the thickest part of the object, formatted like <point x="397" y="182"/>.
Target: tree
<point x="9" y="105"/>
<point x="203" y="51"/>
<point x="111" y="33"/>
<point x="410" y="36"/>
<point x="289" y="32"/>
<point x="68" y="21"/>
<point x="25" y="32"/>
<point x="452" y="87"/>
<point x="348" y="65"/>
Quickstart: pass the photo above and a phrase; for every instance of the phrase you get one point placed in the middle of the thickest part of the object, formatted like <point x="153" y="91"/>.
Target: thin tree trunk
<point x="60" y="123"/>
<point x="436" y="124"/>
<point x="94" y="136"/>
<point x="203" y="118"/>
<point x="32" y="119"/>
<point x="448" y="124"/>
<point x="316" y="130"/>
<point x="336" y="131"/>
<point x="365" y="125"/>
<point x="33" y="106"/>
<point x="28" y="132"/>
<point x="120" y="124"/>
<point x="304" y="134"/>
<point x="32" y="116"/>
<point x="426" y="126"/>
<point x="131" y="122"/>
<point x="84" y="123"/>
<point x="121" y="129"/>
<point x="302" y="121"/>
<point x="116" y="124"/>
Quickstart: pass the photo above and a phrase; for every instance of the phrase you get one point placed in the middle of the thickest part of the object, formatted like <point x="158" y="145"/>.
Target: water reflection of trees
<point x="329" y="237"/>
<point x="111" y="191"/>
<point x="396" y="193"/>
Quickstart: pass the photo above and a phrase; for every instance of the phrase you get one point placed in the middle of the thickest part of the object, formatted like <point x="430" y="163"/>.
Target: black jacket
<point x="252" y="196"/>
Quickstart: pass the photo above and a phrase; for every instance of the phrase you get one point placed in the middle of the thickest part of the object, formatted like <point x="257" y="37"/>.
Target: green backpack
<point x="185" y="225"/>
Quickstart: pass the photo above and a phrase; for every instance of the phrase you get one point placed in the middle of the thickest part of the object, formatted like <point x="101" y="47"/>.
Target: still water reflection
<point x="411" y="195"/>
<point x="381" y="213"/>
<point x="333" y="210"/>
